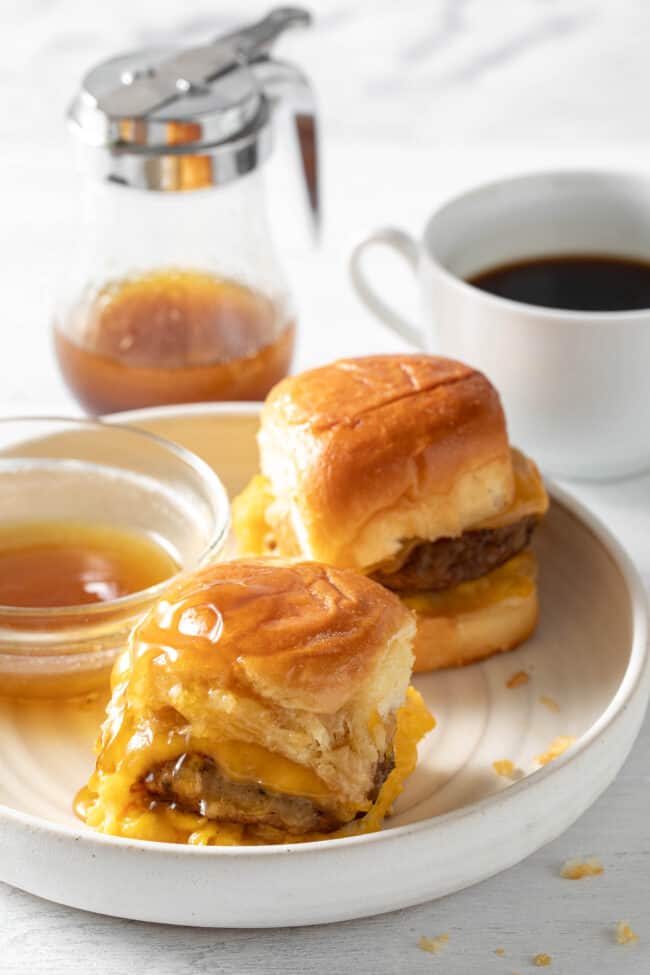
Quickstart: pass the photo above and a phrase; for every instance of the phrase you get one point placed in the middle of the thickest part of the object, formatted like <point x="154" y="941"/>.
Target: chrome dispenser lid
<point x="139" y="112"/>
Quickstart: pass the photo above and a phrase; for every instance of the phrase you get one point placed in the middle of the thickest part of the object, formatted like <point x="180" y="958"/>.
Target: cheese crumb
<point x="542" y="960"/>
<point x="557" y="747"/>
<point x="518" y="679"/>
<point x="504" y="767"/>
<point x="499" y="951"/>
<point x="549" y="703"/>
<point x="576" y="869"/>
<point x="433" y="945"/>
<point x="625" y="935"/>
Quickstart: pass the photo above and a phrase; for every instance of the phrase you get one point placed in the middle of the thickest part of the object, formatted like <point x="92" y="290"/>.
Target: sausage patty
<point x="432" y="566"/>
<point x="195" y="783"/>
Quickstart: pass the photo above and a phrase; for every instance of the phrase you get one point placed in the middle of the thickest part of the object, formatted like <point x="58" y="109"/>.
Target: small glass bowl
<point x="84" y="470"/>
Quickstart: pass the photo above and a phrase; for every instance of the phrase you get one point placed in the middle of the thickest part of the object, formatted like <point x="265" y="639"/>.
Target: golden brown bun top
<point x="301" y="633"/>
<point x="384" y="437"/>
<point x="349" y="390"/>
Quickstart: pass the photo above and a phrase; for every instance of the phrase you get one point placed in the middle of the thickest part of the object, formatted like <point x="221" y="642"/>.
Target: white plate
<point x="457" y="821"/>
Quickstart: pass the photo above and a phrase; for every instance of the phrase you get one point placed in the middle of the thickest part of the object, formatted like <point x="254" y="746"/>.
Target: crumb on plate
<point x="557" y="747"/>
<point x="549" y="703"/>
<point x="499" y="951"/>
<point x="576" y="868"/>
<point x="433" y="945"/>
<point x="518" y="679"/>
<point x="542" y="960"/>
<point x="507" y="769"/>
<point x="625" y="935"/>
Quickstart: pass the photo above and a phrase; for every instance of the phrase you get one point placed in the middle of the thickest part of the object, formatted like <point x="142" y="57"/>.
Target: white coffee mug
<point x="575" y="385"/>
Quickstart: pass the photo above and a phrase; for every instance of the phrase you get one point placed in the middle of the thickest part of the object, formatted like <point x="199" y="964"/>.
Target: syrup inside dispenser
<point x="177" y="295"/>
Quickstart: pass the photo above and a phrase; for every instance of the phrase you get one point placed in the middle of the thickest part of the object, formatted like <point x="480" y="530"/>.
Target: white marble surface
<point x="418" y="98"/>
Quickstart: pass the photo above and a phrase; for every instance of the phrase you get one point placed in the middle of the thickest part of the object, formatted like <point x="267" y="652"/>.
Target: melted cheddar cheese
<point x="113" y="803"/>
<point x="515" y="580"/>
<point x="245" y="761"/>
<point x="413" y="722"/>
<point x="251" y="528"/>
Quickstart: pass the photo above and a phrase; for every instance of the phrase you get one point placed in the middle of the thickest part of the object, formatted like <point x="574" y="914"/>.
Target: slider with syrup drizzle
<point x="260" y="701"/>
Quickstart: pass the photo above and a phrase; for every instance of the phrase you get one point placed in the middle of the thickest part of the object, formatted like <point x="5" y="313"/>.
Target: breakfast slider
<point x="259" y="702"/>
<point x="400" y="467"/>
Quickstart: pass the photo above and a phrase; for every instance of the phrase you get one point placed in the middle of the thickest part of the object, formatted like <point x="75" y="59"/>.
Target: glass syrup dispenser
<point x="176" y="295"/>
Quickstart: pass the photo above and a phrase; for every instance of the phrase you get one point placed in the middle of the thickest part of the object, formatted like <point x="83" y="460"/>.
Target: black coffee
<point x="582" y="282"/>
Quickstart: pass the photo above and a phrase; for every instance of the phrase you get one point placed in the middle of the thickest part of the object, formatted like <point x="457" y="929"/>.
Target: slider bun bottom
<point x="456" y="640"/>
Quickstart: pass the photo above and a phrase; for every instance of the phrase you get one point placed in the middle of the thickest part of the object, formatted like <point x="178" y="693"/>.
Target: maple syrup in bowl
<point x="173" y="335"/>
<point x="95" y="521"/>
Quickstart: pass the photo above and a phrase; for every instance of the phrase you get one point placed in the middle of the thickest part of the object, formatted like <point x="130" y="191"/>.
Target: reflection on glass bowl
<point x="86" y="472"/>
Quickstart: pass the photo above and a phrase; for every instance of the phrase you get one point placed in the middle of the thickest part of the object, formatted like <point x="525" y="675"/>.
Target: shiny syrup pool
<point x="66" y="563"/>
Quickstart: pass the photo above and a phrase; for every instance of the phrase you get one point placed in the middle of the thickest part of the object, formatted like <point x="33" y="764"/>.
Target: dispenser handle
<point x="279" y="81"/>
<point x="257" y="39"/>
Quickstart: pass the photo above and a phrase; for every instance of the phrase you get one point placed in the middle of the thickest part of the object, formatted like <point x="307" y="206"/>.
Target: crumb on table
<point x="542" y="960"/>
<point x="433" y="945"/>
<point x="576" y="868"/>
<point x="499" y="951"/>
<point x="625" y="935"/>
<point x="557" y="747"/>
<point x="518" y="679"/>
<point x="549" y="703"/>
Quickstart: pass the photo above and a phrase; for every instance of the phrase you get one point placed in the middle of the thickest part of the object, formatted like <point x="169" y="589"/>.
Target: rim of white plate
<point x="638" y="662"/>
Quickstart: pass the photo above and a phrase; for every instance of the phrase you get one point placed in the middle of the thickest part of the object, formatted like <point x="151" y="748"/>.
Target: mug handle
<point x="407" y="248"/>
